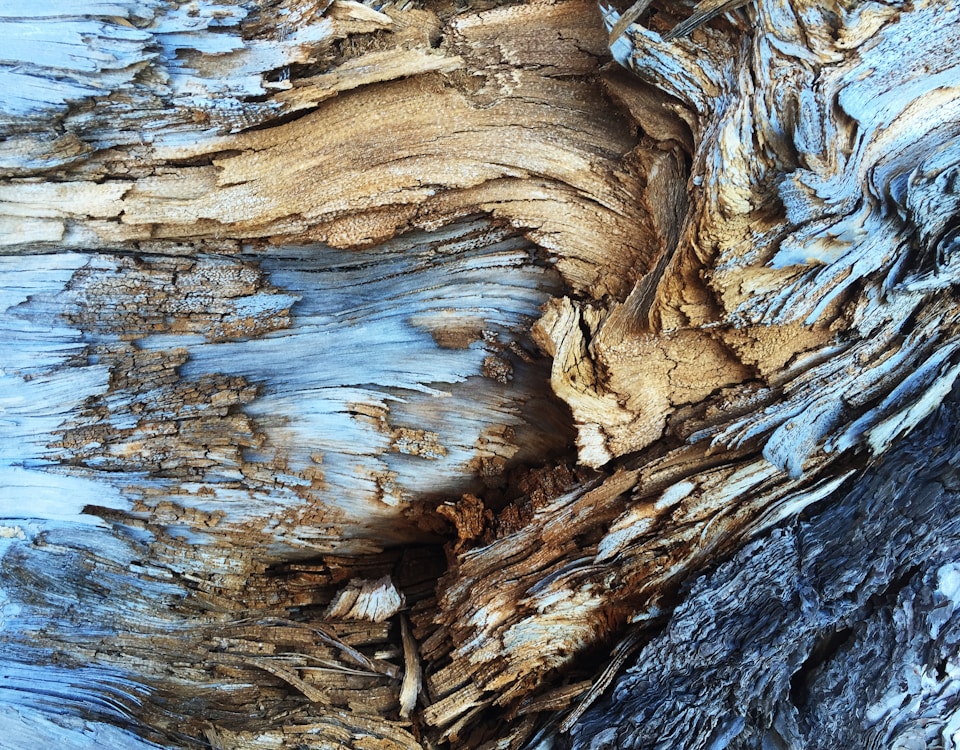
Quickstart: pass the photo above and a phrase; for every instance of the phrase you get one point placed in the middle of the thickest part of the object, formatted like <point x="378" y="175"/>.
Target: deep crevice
<point x="822" y="652"/>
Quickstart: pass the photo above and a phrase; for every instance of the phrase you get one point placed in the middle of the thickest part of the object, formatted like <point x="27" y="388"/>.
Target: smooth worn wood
<point x="383" y="377"/>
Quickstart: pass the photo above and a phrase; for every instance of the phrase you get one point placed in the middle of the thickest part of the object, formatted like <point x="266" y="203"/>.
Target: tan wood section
<point x="373" y="375"/>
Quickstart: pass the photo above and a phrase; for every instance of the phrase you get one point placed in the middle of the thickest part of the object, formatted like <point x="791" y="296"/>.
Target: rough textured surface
<point x="286" y="289"/>
<point x="232" y="385"/>
<point x="801" y="322"/>
<point x="840" y="630"/>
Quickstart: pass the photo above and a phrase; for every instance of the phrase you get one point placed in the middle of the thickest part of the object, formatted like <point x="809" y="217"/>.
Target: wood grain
<point x="317" y="318"/>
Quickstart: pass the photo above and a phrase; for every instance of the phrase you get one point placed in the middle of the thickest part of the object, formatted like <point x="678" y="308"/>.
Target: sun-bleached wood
<point x="369" y="371"/>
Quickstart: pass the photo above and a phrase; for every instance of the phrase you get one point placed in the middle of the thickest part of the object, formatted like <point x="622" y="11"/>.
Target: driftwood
<point x="390" y="377"/>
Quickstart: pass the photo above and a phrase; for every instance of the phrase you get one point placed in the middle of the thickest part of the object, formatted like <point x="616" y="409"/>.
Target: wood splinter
<point x="603" y="371"/>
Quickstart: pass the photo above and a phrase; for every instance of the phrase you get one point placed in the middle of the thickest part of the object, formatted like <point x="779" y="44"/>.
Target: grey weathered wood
<point x="837" y="630"/>
<point x="796" y="333"/>
<point x="286" y="289"/>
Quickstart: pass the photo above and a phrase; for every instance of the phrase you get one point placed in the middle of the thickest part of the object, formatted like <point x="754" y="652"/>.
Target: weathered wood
<point x="838" y="631"/>
<point x="188" y="381"/>
<point x="797" y="329"/>
<point x="290" y="289"/>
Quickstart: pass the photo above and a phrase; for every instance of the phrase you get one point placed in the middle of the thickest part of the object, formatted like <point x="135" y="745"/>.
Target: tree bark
<point x="501" y="376"/>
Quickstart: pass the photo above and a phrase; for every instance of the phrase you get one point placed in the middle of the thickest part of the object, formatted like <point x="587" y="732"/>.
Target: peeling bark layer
<point x="232" y="386"/>
<point x="295" y="293"/>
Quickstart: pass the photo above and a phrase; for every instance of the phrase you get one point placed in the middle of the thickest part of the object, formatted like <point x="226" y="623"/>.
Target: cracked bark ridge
<point x="834" y="631"/>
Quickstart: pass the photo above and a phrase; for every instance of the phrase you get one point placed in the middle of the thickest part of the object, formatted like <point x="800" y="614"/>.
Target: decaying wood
<point x="839" y="631"/>
<point x="318" y="318"/>
<point x="753" y="320"/>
